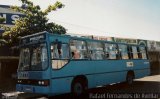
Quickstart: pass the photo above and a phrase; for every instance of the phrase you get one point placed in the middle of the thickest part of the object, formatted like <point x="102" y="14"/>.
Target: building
<point x="8" y="60"/>
<point x="10" y="16"/>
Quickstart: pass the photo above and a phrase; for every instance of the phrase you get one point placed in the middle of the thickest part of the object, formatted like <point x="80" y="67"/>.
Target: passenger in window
<point x="107" y="55"/>
<point x="99" y="55"/>
<point x="76" y="54"/>
<point x="92" y="54"/>
<point x="140" y="55"/>
<point x="72" y="54"/>
<point x="112" y="55"/>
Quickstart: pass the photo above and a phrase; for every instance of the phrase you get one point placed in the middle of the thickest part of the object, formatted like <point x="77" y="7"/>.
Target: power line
<point x="80" y="26"/>
<point x="90" y="28"/>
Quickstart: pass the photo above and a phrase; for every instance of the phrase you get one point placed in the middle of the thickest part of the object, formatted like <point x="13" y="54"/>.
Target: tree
<point x="2" y="20"/>
<point x="35" y="20"/>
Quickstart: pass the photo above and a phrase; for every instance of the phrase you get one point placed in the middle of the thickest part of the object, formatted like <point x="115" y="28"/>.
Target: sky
<point x="139" y="19"/>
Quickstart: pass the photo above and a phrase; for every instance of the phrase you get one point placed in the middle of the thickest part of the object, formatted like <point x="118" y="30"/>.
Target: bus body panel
<point x="142" y="73"/>
<point x="98" y="73"/>
<point x="61" y="85"/>
<point x="97" y="67"/>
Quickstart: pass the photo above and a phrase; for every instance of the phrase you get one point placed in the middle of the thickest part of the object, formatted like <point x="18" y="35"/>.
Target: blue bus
<point x="55" y="64"/>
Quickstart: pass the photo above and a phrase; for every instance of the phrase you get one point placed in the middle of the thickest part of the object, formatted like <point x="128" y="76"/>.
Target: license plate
<point x="28" y="89"/>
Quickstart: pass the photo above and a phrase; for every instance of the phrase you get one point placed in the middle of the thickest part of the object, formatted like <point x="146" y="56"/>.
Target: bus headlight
<point x="43" y="82"/>
<point x="39" y="82"/>
<point x="19" y="81"/>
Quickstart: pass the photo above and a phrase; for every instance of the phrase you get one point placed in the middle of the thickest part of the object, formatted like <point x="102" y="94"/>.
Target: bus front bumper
<point x="33" y="89"/>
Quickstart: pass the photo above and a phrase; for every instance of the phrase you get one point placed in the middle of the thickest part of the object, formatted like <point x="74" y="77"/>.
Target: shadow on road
<point x="139" y="88"/>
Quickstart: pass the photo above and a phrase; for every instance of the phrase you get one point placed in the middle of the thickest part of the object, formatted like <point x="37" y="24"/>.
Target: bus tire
<point x="79" y="86"/>
<point x="129" y="78"/>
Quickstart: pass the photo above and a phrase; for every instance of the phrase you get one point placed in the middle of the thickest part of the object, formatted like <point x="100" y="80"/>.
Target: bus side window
<point x="96" y="50"/>
<point x="134" y="52"/>
<point x="142" y="52"/>
<point x="111" y="51"/>
<point x="75" y="53"/>
<point x="123" y="51"/>
<point x="59" y="55"/>
<point x="78" y="49"/>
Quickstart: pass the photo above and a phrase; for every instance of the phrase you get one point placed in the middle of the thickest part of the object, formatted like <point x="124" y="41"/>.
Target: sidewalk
<point x="155" y="78"/>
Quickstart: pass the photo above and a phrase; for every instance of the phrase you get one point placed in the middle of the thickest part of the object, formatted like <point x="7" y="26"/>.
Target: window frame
<point x="59" y="59"/>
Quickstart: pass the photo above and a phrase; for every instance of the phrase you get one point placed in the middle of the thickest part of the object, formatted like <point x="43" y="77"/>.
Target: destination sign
<point x="33" y="39"/>
<point x="37" y="38"/>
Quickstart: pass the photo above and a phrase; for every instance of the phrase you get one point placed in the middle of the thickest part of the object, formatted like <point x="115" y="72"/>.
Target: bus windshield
<point x="33" y="58"/>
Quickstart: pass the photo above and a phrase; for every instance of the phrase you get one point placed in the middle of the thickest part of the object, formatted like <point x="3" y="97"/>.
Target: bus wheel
<point x="78" y="87"/>
<point x="129" y="79"/>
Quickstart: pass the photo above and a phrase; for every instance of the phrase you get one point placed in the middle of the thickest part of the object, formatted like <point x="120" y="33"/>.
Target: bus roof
<point x="39" y="33"/>
<point x="76" y="38"/>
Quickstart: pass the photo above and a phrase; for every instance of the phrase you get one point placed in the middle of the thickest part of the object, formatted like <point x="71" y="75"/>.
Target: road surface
<point x="147" y="87"/>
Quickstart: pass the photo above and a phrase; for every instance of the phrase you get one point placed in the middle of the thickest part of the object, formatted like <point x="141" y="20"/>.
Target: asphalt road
<point x="147" y="87"/>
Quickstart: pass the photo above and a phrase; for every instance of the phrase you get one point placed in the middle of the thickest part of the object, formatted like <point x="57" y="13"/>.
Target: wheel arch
<point x="131" y="72"/>
<point x="81" y="78"/>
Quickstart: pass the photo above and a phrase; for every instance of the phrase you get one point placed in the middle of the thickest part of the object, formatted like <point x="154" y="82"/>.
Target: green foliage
<point x="2" y="26"/>
<point x="35" y="20"/>
<point x="2" y="20"/>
